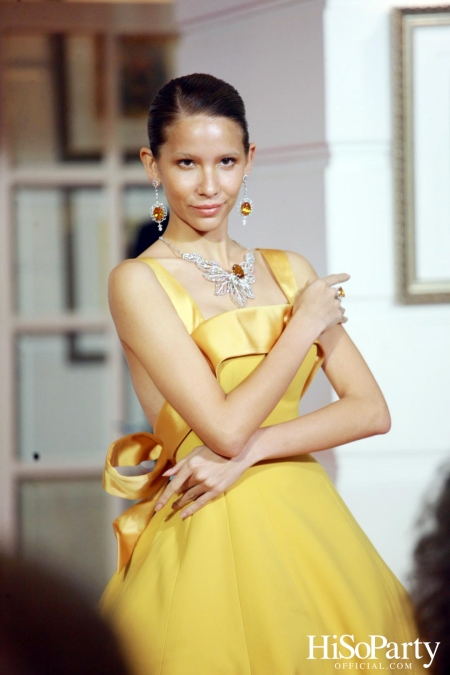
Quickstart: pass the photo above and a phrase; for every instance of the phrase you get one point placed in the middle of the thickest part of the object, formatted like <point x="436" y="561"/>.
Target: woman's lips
<point x="209" y="210"/>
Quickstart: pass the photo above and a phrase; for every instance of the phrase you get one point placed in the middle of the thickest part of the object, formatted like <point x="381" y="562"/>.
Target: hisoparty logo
<point x="321" y="647"/>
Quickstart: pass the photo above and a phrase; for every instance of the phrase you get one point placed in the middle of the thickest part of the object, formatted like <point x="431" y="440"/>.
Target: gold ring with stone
<point x="340" y="293"/>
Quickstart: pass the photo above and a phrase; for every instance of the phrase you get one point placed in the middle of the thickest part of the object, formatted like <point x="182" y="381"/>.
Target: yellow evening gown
<point x="237" y="588"/>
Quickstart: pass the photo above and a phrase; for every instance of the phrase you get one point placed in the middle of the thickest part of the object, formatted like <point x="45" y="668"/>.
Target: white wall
<point x="316" y="82"/>
<point x="383" y="479"/>
<point x="273" y="55"/>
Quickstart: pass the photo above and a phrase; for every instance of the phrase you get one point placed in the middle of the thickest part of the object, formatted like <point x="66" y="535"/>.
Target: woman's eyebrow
<point x="184" y="154"/>
<point x="231" y="153"/>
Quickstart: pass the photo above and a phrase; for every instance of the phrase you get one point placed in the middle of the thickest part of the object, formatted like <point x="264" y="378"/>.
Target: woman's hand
<point x="200" y="477"/>
<point x="318" y="300"/>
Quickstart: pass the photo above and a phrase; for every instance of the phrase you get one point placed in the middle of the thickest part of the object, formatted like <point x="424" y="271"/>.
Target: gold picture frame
<point x="421" y="154"/>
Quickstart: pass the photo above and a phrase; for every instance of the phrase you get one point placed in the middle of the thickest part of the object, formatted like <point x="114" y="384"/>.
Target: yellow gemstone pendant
<point x="246" y="208"/>
<point x="158" y="213"/>
<point x="238" y="271"/>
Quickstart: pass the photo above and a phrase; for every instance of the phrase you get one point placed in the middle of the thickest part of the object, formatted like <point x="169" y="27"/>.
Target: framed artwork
<point x="144" y="64"/>
<point x="421" y="78"/>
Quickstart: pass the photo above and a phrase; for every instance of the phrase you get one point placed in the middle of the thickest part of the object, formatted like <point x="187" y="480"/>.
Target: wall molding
<point x="201" y="20"/>
<point x="299" y="153"/>
<point x="364" y="149"/>
<point x="158" y="19"/>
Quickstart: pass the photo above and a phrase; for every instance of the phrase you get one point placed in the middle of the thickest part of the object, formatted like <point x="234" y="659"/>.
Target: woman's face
<point x="201" y="167"/>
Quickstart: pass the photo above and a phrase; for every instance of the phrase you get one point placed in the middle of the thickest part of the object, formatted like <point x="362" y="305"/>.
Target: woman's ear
<point x="251" y="153"/>
<point x="150" y="165"/>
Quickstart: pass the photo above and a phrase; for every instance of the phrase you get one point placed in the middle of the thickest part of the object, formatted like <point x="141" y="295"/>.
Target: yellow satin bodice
<point x="234" y="343"/>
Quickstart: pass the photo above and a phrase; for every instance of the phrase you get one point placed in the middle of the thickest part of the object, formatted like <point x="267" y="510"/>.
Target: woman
<point x="257" y="567"/>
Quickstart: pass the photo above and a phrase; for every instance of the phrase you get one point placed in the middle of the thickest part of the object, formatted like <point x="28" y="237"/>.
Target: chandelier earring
<point x="158" y="211"/>
<point x="245" y="206"/>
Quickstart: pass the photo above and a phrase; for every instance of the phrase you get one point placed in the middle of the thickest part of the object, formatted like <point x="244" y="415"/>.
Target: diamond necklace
<point x="236" y="283"/>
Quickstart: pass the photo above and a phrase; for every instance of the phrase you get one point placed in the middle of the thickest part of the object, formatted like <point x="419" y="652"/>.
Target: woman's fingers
<point x="176" y="468"/>
<point x="332" y="279"/>
<point x="173" y="470"/>
<point x="176" y="484"/>
<point x="197" y="504"/>
<point x="172" y="488"/>
<point x="200" y="480"/>
<point x="188" y="496"/>
<point x="321" y="300"/>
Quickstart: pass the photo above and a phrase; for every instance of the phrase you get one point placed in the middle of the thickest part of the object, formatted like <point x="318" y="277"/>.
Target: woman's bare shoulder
<point x="302" y="268"/>
<point x="131" y="281"/>
<point x="129" y="273"/>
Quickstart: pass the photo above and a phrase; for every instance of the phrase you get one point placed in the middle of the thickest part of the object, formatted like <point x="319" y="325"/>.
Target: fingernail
<point x="158" y="506"/>
<point x="183" y="516"/>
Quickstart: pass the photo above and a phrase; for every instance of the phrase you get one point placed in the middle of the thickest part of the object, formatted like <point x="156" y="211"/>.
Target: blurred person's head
<point x="430" y="577"/>
<point x="199" y="149"/>
<point x="48" y="627"/>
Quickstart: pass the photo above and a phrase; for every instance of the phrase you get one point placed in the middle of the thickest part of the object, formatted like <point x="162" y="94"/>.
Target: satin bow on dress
<point x="131" y="450"/>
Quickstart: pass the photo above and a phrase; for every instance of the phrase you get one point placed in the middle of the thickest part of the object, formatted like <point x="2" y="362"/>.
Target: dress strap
<point x="280" y="265"/>
<point x="184" y="304"/>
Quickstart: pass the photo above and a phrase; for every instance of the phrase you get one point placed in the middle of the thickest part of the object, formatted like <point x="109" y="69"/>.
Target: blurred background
<point x="324" y="99"/>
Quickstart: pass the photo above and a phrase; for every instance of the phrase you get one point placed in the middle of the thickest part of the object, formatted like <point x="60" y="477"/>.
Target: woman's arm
<point x="149" y="326"/>
<point x="361" y="410"/>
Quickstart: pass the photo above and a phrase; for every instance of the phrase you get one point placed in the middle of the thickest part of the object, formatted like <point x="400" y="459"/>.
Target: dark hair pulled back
<point x="193" y="94"/>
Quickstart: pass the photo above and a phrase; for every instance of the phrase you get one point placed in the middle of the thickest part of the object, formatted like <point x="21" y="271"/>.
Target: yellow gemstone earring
<point x="158" y="211"/>
<point x="245" y="206"/>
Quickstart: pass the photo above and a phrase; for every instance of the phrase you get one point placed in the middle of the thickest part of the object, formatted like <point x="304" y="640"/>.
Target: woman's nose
<point x="209" y="184"/>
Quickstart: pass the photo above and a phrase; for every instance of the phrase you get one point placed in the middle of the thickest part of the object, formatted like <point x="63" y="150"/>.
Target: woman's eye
<point x="228" y="161"/>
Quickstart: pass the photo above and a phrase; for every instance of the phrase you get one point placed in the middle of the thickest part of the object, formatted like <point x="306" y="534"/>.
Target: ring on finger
<point x="340" y="293"/>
